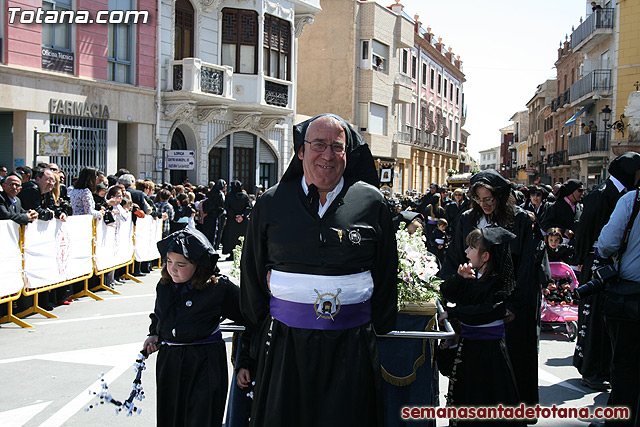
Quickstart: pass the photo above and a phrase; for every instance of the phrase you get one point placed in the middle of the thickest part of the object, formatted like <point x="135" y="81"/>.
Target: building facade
<point x="545" y="93"/>
<point x="228" y="79"/>
<point x="213" y="80"/>
<point x="94" y="82"/>
<point x="387" y="77"/>
<point x="490" y="159"/>
<point x="594" y="43"/>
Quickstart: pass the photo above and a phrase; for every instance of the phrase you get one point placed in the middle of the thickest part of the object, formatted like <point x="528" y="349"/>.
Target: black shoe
<point x="139" y="274"/>
<point x="48" y="307"/>
<point x="145" y="270"/>
<point x="595" y="383"/>
<point x="120" y="281"/>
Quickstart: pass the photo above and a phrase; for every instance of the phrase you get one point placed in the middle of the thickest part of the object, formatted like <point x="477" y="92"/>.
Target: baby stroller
<point x="559" y="307"/>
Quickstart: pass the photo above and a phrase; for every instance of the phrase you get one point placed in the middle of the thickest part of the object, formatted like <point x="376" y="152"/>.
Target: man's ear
<point x="301" y="152"/>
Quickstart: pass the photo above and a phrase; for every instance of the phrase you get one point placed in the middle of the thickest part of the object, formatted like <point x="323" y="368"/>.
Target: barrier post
<point x="10" y="317"/>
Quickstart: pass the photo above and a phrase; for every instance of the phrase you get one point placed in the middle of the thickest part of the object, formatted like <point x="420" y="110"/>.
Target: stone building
<point x="228" y="82"/>
<point x="536" y="106"/>
<point x="387" y="77"/>
<point x="94" y="82"/>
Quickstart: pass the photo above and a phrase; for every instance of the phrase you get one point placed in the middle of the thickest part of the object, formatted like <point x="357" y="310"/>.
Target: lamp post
<point x="543" y="163"/>
<point x="618" y="124"/>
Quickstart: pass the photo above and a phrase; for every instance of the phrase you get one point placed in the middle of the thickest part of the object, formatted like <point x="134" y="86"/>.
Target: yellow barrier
<point x="26" y="291"/>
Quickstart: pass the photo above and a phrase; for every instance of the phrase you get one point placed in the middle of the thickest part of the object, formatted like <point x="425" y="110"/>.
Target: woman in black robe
<point x="238" y="207"/>
<point x="308" y="376"/>
<point x="494" y="204"/>
<point x="191" y="369"/>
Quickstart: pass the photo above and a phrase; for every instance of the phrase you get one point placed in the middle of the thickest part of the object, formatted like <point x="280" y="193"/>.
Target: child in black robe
<point x="191" y="370"/>
<point x="438" y="239"/>
<point x="482" y="373"/>
<point x="556" y="250"/>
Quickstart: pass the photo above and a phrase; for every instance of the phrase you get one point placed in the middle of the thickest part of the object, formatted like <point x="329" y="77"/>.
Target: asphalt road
<point x="47" y="373"/>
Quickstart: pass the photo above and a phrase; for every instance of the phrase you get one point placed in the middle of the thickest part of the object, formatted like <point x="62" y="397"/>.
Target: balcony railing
<point x="402" y="137"/>
<point x="597" y="80"/>
<point x="193" y="75"/>
<point x="589" y="143"/>
<point x="559" y="158"/>
<point x="599" y="19"/>
<point x="276" y="92"/>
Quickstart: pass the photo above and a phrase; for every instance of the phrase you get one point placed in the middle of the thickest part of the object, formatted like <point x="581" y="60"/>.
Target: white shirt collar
<point x="620" y="186"/>
<point x="331" y="195"/>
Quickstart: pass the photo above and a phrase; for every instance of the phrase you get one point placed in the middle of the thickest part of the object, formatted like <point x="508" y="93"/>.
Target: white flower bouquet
<point x="417" y="268"/>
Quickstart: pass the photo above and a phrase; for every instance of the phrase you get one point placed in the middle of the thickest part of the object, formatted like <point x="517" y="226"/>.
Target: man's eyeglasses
<point x="486" y="200"/>
<point x="13" y="184"/>
<point x="319" y="147"/>
<point x="581" y="190"/>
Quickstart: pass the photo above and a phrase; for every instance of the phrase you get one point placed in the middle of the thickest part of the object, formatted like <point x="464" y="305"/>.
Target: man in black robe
<point x="428" y="198"/>
<point x="319" y="272"/>
<point x="593" y="348"/>
<point x="565" y="212"/>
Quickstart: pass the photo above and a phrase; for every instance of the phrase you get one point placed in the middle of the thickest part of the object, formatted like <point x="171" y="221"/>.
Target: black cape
<point x="483" y="375"/>
<point x="192" y="380"/>
<point x="313" y="377"/>
<point x="531" y="268"/>
<point x="593" y="348"/>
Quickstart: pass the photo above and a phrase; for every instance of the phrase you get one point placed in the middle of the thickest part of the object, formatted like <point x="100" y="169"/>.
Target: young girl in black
<point x="482" y="373"/>
<point x="191" y="370"/>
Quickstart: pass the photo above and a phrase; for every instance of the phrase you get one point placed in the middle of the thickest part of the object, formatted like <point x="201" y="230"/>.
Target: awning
<point x="572" y="120"/>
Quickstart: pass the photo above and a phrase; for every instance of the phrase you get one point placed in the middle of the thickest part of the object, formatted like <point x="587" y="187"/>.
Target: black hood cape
<point x="191" y="244"/>
<point x="497" y="240"/>
<point x="568" y="187"/>
<point x="624" y="168"/>
<point x="360" y="164"/>
<point x="493" y="178"/>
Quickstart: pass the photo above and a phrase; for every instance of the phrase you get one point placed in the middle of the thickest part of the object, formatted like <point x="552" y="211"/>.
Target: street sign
<point x="183" y="163"/>
<point x="181" y="153"/>
<point x="181" y="159"/>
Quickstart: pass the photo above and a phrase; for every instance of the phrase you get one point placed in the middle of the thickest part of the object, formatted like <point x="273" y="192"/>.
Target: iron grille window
<point x="276" y="94"/>
<point x="240" y="40"/>
<point x="277" y="47"/>
<point x="57" y="36"/>
<point x="88" y="139"/>
<point x="211" y="80"/>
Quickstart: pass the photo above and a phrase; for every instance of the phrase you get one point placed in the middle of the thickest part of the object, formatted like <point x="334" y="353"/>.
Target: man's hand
<point x="63" y="217"/>
<point x="150" y="344"/>
<point x="32" y="215"/>
<point x="243" y="378"/>
<point x="165" y="216"/>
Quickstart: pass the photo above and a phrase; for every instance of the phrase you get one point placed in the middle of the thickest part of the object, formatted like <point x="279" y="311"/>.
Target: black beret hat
<point x="193" y="245"/>
<point x="493" y="178"/>
<point x="496" y="236"/>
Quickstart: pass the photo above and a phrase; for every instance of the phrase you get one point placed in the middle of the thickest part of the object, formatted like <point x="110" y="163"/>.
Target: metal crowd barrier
<point x="446" y="334"/>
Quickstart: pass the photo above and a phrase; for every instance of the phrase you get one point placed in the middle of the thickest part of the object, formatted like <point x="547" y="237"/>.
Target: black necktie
<point x="313" y="197"/>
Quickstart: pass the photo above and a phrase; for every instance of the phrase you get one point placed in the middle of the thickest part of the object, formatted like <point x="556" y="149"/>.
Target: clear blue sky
<point x="508" y="47"/>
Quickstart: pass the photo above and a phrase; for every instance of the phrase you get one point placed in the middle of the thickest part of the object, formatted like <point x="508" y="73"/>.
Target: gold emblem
<point x="339" y="233"/>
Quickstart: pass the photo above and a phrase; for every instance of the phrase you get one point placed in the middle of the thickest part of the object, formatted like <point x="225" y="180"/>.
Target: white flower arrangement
<point x="237" y="256"/>
<point x="417" y="269"/>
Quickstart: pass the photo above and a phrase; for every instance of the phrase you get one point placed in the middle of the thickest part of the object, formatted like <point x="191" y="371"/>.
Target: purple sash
<point x="482" y="333"/>
<point x="305" y="316"/>
<point x="213" y="338"/>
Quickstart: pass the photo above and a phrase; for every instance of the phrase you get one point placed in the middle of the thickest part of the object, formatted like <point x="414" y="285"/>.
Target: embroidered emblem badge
<point x="188" y="303"/>
<point x="355" y="237"/>
<point x="327" y="305"/>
